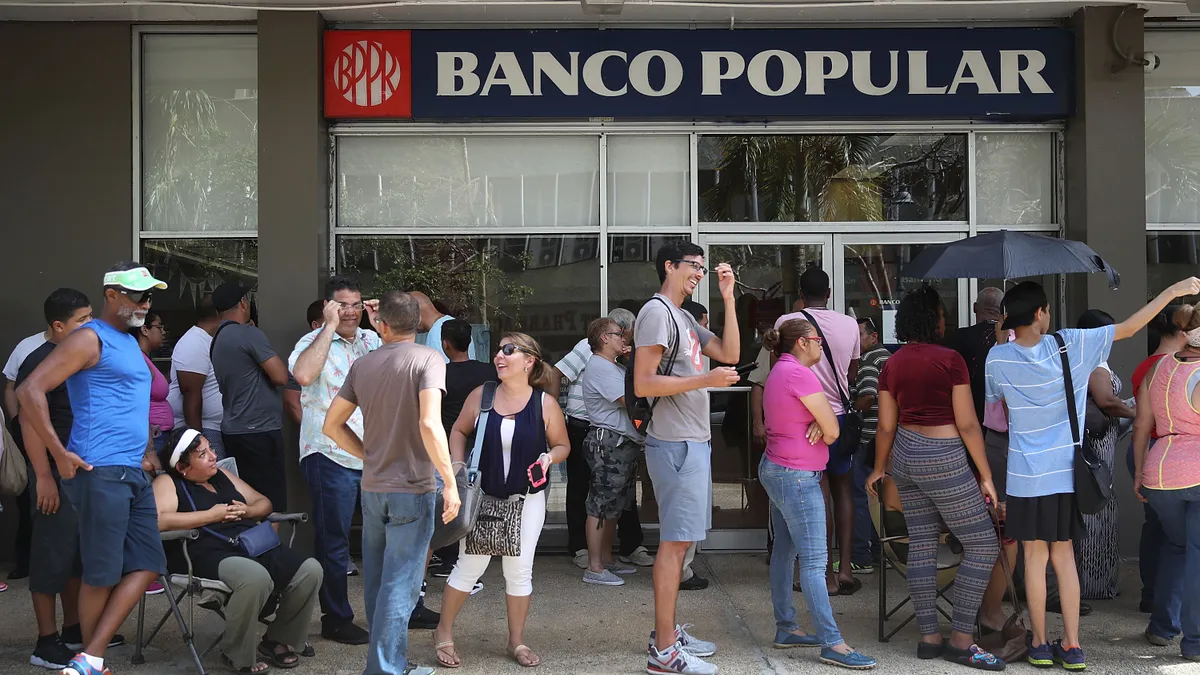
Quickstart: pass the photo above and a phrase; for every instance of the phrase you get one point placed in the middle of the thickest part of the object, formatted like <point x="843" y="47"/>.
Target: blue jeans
<point x="397" y="527"/>
<point x="1178" y="591"/>
<point x="334" y="491"/>
<point x="798" y="517"/>
<point x="864" y="552"/>
<point x="1149" y="545"/>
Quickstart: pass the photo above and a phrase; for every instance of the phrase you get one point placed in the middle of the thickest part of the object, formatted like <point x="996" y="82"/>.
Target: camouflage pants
<point x="613" y="459"/>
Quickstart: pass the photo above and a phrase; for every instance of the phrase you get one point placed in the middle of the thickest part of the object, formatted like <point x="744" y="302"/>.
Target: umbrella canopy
<point x="1008" y="255"/>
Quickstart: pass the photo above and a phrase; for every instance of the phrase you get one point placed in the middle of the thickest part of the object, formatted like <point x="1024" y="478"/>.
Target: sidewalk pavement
<point x="583" y="629"/>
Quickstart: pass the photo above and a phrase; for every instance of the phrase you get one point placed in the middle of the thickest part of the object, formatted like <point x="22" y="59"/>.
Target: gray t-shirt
<point x="603" y="384"/>
<point x="682" y="417"/>
<point x="251" y="403"/>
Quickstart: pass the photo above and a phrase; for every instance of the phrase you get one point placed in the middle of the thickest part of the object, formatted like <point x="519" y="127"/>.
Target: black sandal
<point x="850" y="588"/>
<point x="285" y="659"/>
<point x="245" y="669"/>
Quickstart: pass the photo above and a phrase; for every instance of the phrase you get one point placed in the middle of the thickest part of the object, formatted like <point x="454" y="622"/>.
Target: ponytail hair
<point x="539" y="373"/>
<point x="1186" y="318"/>
<point x="783" y="340"/>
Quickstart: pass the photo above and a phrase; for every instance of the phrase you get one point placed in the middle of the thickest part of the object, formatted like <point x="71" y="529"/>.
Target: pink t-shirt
<point x="160" y="411"/>
<point x="787" y="418"/>
<point x="841" y="334"/>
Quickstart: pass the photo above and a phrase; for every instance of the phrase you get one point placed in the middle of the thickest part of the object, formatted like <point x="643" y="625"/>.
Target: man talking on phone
<point x="678" y="450"/>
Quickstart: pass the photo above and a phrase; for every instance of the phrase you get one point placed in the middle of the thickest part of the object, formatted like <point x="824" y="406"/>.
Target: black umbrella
<point x="1008" y="255"/>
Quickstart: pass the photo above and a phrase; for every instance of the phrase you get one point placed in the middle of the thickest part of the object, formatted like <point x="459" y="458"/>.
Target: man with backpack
<point x="671" y="405"/>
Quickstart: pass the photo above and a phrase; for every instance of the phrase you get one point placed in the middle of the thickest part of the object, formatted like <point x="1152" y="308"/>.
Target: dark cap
<point x="1021" y="304"/>
<point x="228" y="295"/>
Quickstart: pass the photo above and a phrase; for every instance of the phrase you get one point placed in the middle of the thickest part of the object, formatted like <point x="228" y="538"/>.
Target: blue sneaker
<point x="785" y="639"/>
<point x="1041" y="656"/>
<point x="1071" y="659"/>
<point x="80" y="666"/>
<point x="853" y="660"/>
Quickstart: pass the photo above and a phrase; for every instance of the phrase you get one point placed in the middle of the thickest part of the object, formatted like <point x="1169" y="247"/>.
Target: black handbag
<point x="852" y="424"/>
<point x="470" y="494"/>
<point x="1093" y="478"/>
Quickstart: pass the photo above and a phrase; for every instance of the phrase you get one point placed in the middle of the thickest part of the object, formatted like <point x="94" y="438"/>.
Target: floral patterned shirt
<point x="316" y="397"/>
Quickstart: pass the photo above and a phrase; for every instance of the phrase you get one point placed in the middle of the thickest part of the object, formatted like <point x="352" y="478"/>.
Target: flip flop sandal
<point x="850" y="588"/>
<point x="244" y="669"/>
<point x="440" y="647"/>
<point x="285" y="660"/>
<point x="517" y="650"/>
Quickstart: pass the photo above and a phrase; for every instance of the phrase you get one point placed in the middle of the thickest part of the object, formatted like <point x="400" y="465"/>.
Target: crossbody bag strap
<point x="187" y="493"/>
<point x="674" y="353"/>
<point x="213" y="343"/>
<point x="1072" y="411"/>
<point x="846" y="402"/>
<point x="486" y="401"/>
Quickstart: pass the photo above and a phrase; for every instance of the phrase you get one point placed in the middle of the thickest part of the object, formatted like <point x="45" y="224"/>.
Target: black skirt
<point x="1048" y="518"/>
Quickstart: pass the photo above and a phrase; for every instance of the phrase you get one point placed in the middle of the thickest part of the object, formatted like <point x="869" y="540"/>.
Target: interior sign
<point x="931" y="73"/>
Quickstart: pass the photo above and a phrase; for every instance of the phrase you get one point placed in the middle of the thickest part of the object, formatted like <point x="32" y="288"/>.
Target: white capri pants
<point x="518" y="570"/>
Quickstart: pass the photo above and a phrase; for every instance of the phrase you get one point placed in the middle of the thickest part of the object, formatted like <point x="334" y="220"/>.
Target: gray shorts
<point x="682" y="476"/>
<point x="995" y="445"/>
<point x="54" y="547"/>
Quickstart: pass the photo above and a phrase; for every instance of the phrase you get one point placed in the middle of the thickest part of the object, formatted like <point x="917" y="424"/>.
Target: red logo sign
<point x="368" y="73"/>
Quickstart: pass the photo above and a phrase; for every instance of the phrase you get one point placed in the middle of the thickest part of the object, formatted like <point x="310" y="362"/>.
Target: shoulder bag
<point x="640" y="408"/>
<point x="1093" y="478"/>
<point x="253" y="542"/>
<point x="497" y="530"/>
<point x="852" y="424"/>
<point x="469" y="493"/>
<point x="14" y="474"/>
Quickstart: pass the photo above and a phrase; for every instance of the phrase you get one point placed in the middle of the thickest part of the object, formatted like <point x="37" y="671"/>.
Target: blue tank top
<point x="111" y="402"/>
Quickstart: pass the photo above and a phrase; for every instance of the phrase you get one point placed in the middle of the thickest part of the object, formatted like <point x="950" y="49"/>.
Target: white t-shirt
<point x="191" y="355"/>
<point x="24" y="348"/>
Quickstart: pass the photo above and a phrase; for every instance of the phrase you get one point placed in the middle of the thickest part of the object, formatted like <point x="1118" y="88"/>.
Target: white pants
<point x="518" y="570"/>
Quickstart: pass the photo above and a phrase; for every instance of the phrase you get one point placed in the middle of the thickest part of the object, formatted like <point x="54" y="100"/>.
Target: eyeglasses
<point x="699" y="267"/>
<point x="356" y="306"/>
<point x="618" y="333"/>
<point x="815" y="338"/>
<point x="157" y="326"/>
<point x="512" y="348"/>
<point x="137" y="297"/>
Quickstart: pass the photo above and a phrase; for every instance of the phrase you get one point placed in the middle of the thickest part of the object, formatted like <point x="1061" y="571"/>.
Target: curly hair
<point x="918" y="315"/>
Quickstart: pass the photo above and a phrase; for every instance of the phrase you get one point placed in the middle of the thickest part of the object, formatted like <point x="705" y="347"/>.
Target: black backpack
<point x="641" y="409"/>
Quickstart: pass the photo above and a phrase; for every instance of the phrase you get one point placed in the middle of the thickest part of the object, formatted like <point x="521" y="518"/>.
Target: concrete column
<point x="1105" y="190"/>
<point x="293" y="182"/>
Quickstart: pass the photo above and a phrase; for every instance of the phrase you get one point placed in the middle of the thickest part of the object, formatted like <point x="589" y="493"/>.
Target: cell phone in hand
<point x="746" y="369"/>
<point x="537" y="475"/>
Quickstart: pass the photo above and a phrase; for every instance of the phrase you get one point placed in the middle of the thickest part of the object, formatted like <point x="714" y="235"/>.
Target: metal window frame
<point x="137" y="33"/>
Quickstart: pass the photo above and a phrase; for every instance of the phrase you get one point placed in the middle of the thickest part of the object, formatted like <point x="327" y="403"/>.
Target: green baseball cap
<point x="136" y="279"/>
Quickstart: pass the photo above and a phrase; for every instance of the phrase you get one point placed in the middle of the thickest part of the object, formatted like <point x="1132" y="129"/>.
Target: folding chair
<point x="209" y="594"/>
<point x="893" y="540"/>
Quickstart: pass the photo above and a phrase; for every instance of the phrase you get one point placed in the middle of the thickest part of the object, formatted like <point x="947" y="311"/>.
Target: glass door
<point x="768" y="269"/>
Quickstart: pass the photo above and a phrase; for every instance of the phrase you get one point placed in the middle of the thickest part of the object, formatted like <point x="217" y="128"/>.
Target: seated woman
<point x="195" y="494"/>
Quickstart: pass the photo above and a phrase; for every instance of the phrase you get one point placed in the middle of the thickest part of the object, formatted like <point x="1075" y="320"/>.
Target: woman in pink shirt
<point x="800" y="425"/>
<point x="150" y="336"/>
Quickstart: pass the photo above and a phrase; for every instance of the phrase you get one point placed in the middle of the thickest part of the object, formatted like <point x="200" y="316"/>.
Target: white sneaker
<point x="640" y="557"/>
<point x="605" y="578"/>
<point x="581" y="559"/>
<point x="690" y="643"/>
<point x="478" y="587"/>
<point x="676" y="661"/>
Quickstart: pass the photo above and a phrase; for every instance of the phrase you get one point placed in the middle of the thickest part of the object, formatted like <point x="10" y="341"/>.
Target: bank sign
<point x="752" y="75"/>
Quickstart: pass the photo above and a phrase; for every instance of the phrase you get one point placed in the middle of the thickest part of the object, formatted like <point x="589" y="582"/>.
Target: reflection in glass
<point x="1014" y="174"/>
<point x="1048" y="282"/>
<point x="874" y="287"/>
<point x="199" y="133"/>
<point x="193" y="267"/>
<point x="1170" y="256"/>
<point x="468" y="181"/>
<point x="648" y="181"/>
<point x="833" y="178"/>
<point x="738" y="499"/>
<point x="1173" y="153"/>
<point x="631" y="276"/>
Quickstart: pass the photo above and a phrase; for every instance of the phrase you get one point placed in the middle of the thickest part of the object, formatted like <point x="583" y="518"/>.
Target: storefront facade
<point x="525" y="178"/>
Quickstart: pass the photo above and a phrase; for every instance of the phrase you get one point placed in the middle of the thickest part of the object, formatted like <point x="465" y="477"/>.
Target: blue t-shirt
<point x="434" y="339"/>
<point x="111" y="402"/>
<point x="1041" y="452"/>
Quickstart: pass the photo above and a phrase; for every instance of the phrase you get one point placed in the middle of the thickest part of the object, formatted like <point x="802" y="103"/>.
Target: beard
<point x="131" y="318"/>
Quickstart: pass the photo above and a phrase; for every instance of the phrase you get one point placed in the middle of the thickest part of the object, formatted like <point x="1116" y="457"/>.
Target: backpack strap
<point x="212" y="345"/>
<point x="673" y="353"/>
<point x="1072" y="411"/>
<point x="486" y="401"/>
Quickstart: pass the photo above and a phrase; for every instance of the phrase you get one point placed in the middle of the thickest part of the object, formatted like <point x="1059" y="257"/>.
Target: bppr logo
<point x="367" y="73"/>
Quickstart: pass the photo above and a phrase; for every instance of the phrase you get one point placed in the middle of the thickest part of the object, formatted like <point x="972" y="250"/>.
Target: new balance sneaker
<point x="1071" y="659"/>
<point x="689" y="642"/>
<point x="605" y="578"/>
<point x="640" y="557"/>
<point x="581" y="559"/>
<point x="51" y="653"/>
<point x="678" y="661"/>
<point x="1041" y="656"/>
<point x="72" y="637"/>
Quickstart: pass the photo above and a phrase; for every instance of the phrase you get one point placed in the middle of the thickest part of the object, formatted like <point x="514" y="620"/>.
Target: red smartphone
<point x="537" y="475"/>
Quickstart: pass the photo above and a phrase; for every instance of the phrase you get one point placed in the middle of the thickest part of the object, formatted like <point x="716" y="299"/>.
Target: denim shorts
<point x="115" y="504"/>
<point x="682" y="475"/>
<point x="839" y="462"/>
<point x="54" y="547"/>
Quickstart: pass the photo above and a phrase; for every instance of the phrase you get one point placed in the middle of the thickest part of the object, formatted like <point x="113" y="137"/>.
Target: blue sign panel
<point x="928" y="73"/>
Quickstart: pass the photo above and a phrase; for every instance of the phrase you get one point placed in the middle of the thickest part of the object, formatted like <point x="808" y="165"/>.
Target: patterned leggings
<point x="934" y="479"/>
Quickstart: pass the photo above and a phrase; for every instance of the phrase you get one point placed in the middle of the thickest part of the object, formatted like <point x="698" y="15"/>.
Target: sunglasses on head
<point x="138" y="297"/>
<point x="512" y="348"/>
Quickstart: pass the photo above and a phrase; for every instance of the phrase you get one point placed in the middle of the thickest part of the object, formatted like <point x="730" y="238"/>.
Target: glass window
<point x="1170" y="256"/>
<point x="199" y="133"/>
<point x="648" y="181"/>
<point x="1015" y="178"/>
<point x="192" y="268"/>
<point x="632" y="279"/>
<point x="469" y="181"/>
<point x="1173" y="129"/>
<point x="874" y="287"/>
<point x="833" y="178"/>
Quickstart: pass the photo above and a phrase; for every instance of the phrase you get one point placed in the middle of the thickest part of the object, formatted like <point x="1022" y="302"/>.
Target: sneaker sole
<point x="843" y="665"/>
<point x="157" y="592"/>
<point x="794" y="645"/>
<point x="624" y="573"/>
<point x="1039" y="663"/>
<point x="78" y="646"/>
<point x="655" y="670"/>
<point x="1072" y="666"/>
<point x="43" y="663"/>
<point x="598" y="582"/>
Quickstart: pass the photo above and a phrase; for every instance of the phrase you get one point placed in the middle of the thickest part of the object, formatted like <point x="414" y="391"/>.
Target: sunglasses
<point x="138" y="297"/>
<point x="512" y="348"/>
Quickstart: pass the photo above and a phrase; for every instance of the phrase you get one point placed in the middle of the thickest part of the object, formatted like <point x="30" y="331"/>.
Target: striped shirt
<point x="867" y="384"/>
<point x="1041" y="452"/>
<point x="572" y="366"/>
